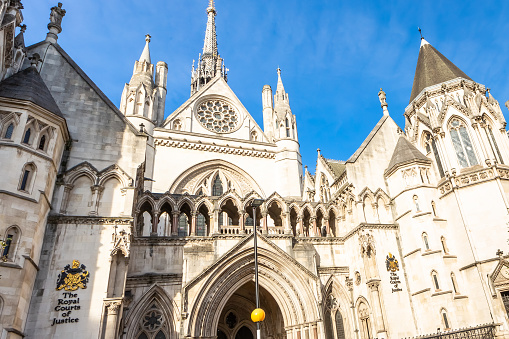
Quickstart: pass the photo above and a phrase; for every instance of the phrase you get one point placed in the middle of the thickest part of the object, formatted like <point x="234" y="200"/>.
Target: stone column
<point x="174" y="224"/>
<point x="155" y="222"/>
<point x="211" y="224"/>
<point x="327" y="226"/>
<point x="285" y="217"/>
<point x="112" y="311"/>
<point x="300" y="227"/>
<point x="65" y="198"/>
<point x="312" y="227"/>
<point x="96" y="191"/>
<point x="263" y="222"/>
<point x="215" y="228"/>
<point x="193" y="223"/>
<point x="241" y="222"/>
<point x="442" y="152"/>
<point x="377" y="305"/>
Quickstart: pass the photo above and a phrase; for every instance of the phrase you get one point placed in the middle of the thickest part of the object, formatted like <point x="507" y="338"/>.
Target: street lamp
<point x="258" y="314"/>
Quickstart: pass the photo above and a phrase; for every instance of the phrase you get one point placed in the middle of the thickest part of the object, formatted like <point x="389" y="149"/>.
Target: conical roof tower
<point x="433" y="68"/>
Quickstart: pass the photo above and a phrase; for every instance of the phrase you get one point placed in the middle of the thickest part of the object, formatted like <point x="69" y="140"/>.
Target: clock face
<point x="505" y="272"/>
<point x="217" y="116"/>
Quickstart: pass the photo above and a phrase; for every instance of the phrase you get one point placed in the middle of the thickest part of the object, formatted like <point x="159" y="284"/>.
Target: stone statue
<point x="382" y="97"/>
<point x="57" y="13"/>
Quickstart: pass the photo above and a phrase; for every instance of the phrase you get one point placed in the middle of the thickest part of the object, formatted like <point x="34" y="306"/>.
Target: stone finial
<point x="22" y="29"/>
<point x="382" y="97"/>
<point x="499" y="253"/>
<point x="507" y="104"/>
<point x="55" y="24"/>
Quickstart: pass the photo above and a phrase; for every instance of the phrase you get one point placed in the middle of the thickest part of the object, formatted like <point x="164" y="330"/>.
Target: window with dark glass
<point x="26" y="138"/>
<point x="42" y="143"/>
<point x="9" y="131"/>
<point x="217" y="187"/>
<point x="24" y="181"/>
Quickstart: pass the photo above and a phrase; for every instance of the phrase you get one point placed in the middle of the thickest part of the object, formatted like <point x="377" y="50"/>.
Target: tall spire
<point x="281" y="101"/>
<point x="280" y="87"/>
<point x="210" y="64"/>
<point x="145" y="55"/>
<point x="210" y="43"/>
<point x="433" y="68"/>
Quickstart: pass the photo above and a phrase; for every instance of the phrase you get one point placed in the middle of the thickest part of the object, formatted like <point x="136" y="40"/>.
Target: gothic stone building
<point x="121" y="223"/>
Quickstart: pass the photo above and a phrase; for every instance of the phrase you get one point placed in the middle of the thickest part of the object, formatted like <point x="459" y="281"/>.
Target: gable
<point x="215" y="110"/>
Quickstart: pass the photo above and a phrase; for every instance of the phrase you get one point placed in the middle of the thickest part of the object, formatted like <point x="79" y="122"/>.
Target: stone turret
<point x="282" y="126"/>
<point x="143" y="99"/>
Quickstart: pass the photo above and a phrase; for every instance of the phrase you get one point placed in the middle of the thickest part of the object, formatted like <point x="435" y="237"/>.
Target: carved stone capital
<point x="113" y="307"/>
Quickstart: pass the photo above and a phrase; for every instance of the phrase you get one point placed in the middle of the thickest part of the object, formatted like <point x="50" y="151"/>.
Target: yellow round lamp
<point x="258" y="315"/>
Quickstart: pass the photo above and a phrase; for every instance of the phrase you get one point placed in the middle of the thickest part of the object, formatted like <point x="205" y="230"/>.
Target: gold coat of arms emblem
<point x="391" y="263"/>
<point x="73" y="277"/>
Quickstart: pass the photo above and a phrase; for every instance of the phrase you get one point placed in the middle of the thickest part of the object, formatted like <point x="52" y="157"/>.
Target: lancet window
<point x="26" y="137"/>
<point x="493" y="144"/>
<point x="27" y="177"/>
<point x="462" y="144"/>
<point x="217" y="187"/>
<point x="9" y="131"/>
<point x="431" y="145"/>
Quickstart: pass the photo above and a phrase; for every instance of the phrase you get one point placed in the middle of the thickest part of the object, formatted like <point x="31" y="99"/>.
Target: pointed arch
<point x="240" y="180"/>
<point x="287" y="281"/>
<point x="167" y="306"/>
<point x="334" y="288"/>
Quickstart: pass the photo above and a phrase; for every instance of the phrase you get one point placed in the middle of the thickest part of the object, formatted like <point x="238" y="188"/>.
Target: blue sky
<point x="334" y="54"/>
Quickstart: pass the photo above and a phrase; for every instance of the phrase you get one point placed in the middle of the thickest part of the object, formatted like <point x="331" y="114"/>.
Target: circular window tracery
<point x="152" y="320"/>
<point x="217" y="116"/>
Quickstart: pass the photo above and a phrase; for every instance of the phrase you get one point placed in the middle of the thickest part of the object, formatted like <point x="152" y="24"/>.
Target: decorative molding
<point x="421" y="291"/>
<point x="209" y="147"/>
<point x="429" y="252"/>
<point x="333" y="270"/>
<point x="440" y="293"/>
<point x="62" y="220"/>
<point x="412" y="252"/>
<point x="18" y="196"/>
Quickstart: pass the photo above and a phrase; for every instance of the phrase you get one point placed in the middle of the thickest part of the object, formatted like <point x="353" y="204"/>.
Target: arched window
<point x="217" y="187"/>
<point x="363" y="312"/>
<point x="434" y="208"/>
<point x="153" y="325"/>
<point x="9" y="131"/>
<point x="416" y="202"/>
<point x="287" y="128"/>
<point x="26" y="138"/>
<point x="9" y="243"/>
<point x="434" y="278"/>
<point x="454" y="283"/>
<point x="183" y="223"/>
<point x="425" y="241"/>
<point x="493" y="143"/>
<point x="177" y="125"/>
<point x="340" y="328"/>
<point x="444" y="245"/>
<point x="254" y="135"/>
<point x="431" y="145"/>
<point x="445" y="320"/>
<point x="27" y="178"/>
<point x="42" y="143"/>
<point x="201" y="226"/>
<point x="462" y="144"/>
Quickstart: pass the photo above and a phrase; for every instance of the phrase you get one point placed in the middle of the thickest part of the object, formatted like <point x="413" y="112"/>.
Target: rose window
<point x="217" y="116"/>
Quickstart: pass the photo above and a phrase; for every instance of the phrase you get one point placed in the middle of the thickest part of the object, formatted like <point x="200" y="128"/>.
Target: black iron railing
<point x="486" y="331"/>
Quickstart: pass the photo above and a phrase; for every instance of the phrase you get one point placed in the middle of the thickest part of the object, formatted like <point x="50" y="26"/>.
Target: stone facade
<point x="121" y="223"/>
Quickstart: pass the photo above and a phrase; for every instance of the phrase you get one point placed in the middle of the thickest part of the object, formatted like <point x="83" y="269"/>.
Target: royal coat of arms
<point x="72" y="278"/>
<point x="391" y="263"/>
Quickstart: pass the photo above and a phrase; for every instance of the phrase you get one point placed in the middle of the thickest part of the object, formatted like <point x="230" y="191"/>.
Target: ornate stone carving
<point x="217" y="116"/>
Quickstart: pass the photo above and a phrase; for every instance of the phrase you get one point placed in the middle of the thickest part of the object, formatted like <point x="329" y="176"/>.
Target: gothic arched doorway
<point x="235" y="320"/>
